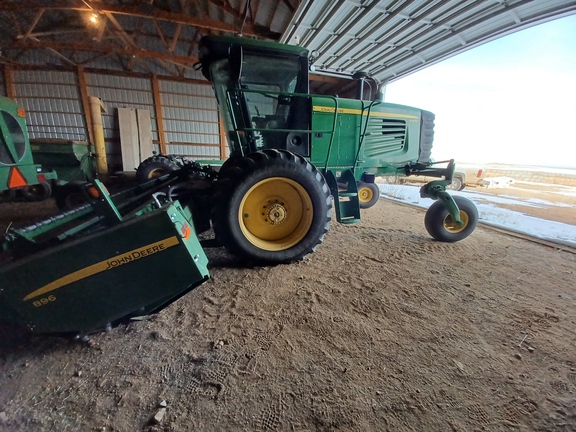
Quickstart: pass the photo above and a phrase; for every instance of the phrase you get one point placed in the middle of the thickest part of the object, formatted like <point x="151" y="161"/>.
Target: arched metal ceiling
<point x="390" y="39"/>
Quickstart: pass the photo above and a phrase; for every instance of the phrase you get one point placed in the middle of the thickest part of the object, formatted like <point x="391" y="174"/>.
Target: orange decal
<point x="16" y="178"/>
<point x="185" y="231"/>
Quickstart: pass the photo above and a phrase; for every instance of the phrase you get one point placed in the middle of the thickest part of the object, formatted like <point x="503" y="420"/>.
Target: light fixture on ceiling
<point x="94" y="18"/>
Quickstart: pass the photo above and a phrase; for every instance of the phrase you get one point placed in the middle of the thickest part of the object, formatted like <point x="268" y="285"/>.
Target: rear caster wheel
<point x="442" y="226"/>
<point x="368" y="194"/>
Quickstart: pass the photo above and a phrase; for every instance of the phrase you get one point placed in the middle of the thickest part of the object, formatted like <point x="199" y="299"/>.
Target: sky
<point x="512" y="100"/>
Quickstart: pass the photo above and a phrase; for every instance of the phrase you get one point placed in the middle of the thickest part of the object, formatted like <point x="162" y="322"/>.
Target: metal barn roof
<point x="390" y="39"/>
<point x="146" y="36"/>
<point x="387" y="38"/>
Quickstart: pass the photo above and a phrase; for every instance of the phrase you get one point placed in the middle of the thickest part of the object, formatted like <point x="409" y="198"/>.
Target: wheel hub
<point x="451" y="225"/>
<point x="365" y="195"/>
<point x="276" y="214"/>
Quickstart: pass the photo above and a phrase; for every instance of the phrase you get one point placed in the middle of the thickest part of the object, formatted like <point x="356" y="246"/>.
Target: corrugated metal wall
<point x="190" y="119"/>
<point x="52" y="101"/>
<point x="54" y="105"/>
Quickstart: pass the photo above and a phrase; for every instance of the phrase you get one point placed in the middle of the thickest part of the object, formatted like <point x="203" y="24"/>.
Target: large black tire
<point x="153" y="167"/>
<point x="426" y="136"/>
<point x="71" y="195"/>
<point x="442" y="227"/>
<point x="368" y="194"/>
<point x="271" y="207"/>
<point x="7" y="195"/>
<point x="228" y="163"/>
<point x="37" y="192"/>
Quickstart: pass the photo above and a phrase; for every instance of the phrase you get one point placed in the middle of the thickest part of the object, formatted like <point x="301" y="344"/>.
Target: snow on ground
<point x="491" y="214"/>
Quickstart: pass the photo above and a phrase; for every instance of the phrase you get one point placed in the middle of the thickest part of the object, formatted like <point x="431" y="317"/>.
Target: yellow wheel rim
<point x="157" y="172"/>
<point x="365" y="194"/>
<point x="275" y="214"/>
<point x="451" y="226"/>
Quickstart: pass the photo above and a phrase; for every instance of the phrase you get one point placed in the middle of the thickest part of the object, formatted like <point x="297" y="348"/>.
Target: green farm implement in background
<point x="18" y="170"/>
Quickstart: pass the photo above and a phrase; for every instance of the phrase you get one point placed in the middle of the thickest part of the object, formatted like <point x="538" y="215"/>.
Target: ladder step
<point x="349" y="220"/>
<point x="348" y="209"/>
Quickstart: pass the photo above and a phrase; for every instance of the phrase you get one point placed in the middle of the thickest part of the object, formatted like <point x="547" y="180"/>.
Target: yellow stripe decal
<point x="358" y="112"/>
<point x="107" y="264"/>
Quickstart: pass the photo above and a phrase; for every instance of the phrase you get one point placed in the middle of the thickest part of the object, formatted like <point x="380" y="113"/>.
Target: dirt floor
<point x="381" y="329"/>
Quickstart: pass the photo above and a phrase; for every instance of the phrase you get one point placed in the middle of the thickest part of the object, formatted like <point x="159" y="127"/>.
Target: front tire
<point x="368" y="194"/>
<point x="442" y="227"/>
<point x="272" y="207"/>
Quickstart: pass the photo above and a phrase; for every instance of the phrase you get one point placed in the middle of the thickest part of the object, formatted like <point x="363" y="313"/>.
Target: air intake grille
<point x="384" y="136"/>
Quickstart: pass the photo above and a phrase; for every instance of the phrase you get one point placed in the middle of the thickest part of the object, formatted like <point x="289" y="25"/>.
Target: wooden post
<point x="9" y="81"/>
<point x="159" y="116"/>
<point x="82" y="83"/>
<point x="222" y="137"/>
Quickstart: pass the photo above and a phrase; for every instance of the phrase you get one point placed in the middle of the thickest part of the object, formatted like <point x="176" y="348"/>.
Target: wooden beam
<point x="83" y="84"/>
<point x="9" y="81"/>
<point x="123" y="36"/>
<point x="159" y="116"/>
<point x="112" y="72"/>
<point x="175" y="38"/>
<point x="328" y="79"/>
<point x="55" y="52"/>
<point x="135" y="11"/>
<point x="34" y="22"/>
<point x="130" y="42"/>
<point x="80" y="46"/>
<point x="223" y="141"/>
<point x="50" y="33"/>
<point x="161" y="35"/>
<point x="101" y="29"/>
